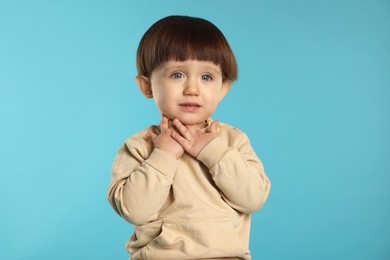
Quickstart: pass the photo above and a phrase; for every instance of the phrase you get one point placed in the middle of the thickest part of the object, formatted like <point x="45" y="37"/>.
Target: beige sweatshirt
<point x="190" y="208"/>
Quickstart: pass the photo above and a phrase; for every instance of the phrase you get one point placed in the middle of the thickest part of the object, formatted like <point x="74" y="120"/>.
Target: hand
<point x="164" y="140"/>
<point x="193" y="140"/>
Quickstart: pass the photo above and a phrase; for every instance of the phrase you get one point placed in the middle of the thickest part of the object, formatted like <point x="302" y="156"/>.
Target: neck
<point x="199" y="126"/>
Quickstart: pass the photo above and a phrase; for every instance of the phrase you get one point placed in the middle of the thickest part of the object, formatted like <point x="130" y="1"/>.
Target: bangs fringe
<point x="182" y="39"/>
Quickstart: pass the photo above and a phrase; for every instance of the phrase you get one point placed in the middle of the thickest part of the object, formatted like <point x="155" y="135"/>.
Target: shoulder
<point x="231" y="134"/>
<point x="139" y="143"/>
<point x="141" y="136"/>
<point x="224" y="127"/>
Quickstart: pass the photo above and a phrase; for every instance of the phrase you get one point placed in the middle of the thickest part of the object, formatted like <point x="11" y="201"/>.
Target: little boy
<point x="189" y="184"/>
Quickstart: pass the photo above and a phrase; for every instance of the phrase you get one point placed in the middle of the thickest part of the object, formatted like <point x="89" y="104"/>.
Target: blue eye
<point x="206" y="77"/>
<point x="177" y="75"/>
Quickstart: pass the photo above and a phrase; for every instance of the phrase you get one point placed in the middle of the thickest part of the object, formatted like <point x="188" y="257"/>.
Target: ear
<point x="224" y="90"/>
<point x="144" y="85"/>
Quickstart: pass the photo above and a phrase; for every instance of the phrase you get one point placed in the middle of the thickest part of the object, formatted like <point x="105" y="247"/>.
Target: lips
<point x="189" y="104"/>
<point x="190" y="107"/>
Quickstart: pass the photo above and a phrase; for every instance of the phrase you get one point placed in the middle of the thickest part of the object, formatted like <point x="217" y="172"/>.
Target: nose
<point x="191" y="88"/>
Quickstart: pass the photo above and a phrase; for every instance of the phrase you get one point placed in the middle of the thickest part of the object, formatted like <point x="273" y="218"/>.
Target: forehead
<point x="190" y="65"/>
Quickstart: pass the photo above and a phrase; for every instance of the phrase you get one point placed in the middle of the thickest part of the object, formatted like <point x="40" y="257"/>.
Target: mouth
<point x="189" y="105"/>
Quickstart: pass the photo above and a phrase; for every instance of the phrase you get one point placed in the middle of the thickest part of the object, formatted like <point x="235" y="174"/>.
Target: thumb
<point x="213" y="127"/>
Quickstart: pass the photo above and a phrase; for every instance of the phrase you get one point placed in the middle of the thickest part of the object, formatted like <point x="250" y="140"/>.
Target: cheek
<point x="159" y="101"/>
<point x="162" y="99"/>
<point x="214" y="96"/>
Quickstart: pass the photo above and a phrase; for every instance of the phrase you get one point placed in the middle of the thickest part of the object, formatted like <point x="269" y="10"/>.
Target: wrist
<point x="171" y="152"/>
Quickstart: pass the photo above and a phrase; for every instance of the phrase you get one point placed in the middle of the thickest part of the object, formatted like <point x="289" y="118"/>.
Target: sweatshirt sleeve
<point x="238" y="172"/>
<point x="140" y="182"/>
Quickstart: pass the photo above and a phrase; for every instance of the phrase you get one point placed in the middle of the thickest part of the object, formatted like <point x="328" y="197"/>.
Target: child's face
<point x="188" y="90"/>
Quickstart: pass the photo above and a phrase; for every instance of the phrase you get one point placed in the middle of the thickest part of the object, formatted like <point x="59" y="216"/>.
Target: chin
<point x="188" y="119"/>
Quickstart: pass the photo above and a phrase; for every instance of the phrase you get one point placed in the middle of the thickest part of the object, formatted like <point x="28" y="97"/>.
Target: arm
<point x="238" y="172"/>
<point x="140" y="183"/>
<point x="235" y="169"/>
<point x="141" y="180"/>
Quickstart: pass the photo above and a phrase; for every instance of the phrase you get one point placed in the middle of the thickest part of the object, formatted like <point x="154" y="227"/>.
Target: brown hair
<point x="181" y="38"/>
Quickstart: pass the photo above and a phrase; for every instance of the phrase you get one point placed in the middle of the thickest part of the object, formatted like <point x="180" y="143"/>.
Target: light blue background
<point x="313" y="95"/>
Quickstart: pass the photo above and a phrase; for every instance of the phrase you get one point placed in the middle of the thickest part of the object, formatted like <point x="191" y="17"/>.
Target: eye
<point x="177" y="75"/>
<point x="206" y="77"/>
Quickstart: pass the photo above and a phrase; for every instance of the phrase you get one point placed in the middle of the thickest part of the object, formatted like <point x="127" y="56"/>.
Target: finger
<point x="180" y="139"/>
<point x="164" y="124"/>
<point x="213" y="127"/>
<point x="151" y="136"/>
<point x="182" y="129"/>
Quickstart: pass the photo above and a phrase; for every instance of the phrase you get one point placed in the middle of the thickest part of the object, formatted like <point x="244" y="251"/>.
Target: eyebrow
<point x="215" y="69"/>
<point x="184" y="67"/>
